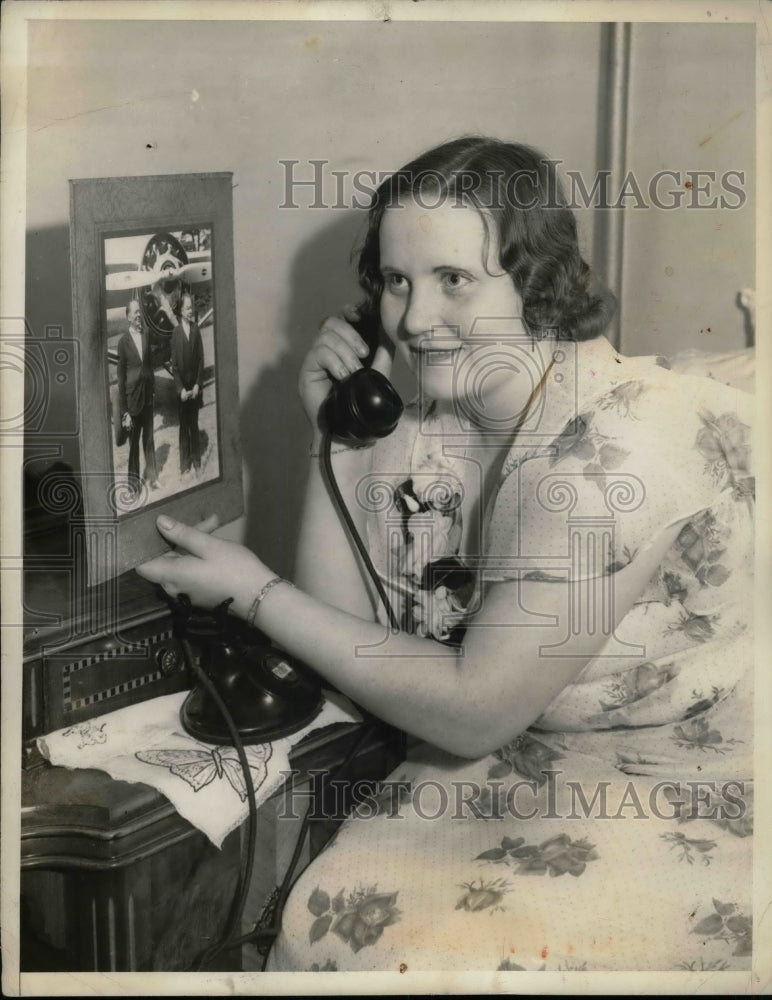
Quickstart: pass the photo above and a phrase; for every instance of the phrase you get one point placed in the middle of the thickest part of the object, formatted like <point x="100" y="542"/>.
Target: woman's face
<point x="451" y="310"/>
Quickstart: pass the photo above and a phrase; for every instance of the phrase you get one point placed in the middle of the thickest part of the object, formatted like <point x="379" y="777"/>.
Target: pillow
<point x="734" y="368"/>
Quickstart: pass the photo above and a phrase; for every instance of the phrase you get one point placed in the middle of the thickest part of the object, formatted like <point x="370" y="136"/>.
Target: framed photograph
<point x="154" y="311"/>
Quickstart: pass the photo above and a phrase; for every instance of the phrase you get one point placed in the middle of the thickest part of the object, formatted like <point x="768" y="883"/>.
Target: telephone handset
<point x="365" y="405"/>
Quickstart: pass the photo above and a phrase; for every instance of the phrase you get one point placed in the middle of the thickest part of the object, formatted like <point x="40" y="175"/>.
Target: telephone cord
<point x="288" y="881"/>
<point x="343" y="510"/>
<point x="226" y="942"/>
<point x="246" y="877"/>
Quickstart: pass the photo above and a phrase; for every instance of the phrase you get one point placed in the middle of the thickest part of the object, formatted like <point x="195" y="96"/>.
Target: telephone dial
<point x="268" y="694"/>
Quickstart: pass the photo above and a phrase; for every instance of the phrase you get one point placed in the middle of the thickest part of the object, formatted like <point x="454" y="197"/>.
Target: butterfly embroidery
<point x="200" y="767"/>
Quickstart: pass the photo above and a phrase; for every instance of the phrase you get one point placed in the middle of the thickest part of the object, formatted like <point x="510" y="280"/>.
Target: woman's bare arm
<point x="468" y="701"/>
<point x="327" y="565"/>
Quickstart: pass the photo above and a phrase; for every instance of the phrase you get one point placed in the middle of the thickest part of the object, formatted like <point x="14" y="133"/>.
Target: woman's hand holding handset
<point x="337" y="352"/>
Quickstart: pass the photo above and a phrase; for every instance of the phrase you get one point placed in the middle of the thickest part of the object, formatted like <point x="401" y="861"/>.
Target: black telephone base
<point x="268" y="694"/>
<point x="263" y="708"/>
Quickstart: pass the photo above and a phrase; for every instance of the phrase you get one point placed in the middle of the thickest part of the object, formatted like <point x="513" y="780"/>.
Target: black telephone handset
<point x="365" y="405"/>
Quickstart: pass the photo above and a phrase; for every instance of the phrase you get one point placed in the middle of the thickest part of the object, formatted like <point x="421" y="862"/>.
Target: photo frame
<point x="154" y="311"/>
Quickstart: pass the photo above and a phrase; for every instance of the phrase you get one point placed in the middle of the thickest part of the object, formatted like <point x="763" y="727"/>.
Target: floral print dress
<point x="614" y="834"/>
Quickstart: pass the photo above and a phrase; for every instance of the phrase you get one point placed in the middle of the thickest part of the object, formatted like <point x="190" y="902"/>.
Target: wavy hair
<point x="515" y="188"/>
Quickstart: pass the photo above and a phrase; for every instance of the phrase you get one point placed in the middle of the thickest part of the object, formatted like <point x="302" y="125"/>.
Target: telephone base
<point x="269" y="698"/>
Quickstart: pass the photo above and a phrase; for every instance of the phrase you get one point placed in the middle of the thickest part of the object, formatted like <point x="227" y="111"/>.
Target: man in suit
<point x="135" y="394"/>
<point x="188" y="371"/>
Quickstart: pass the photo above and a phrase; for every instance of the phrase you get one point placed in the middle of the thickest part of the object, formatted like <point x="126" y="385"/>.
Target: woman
<point x="566" y="536"/>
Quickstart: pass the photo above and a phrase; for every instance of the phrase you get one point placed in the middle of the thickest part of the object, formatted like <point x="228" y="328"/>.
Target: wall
<point x="131" y="98"/>
<point x="692" y="108"/>
<point x="127" y="98"/>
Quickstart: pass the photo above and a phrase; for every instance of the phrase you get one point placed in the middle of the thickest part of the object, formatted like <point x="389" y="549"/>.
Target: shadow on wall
<point x="274" y="431"/>
<point x="52" y="434"/>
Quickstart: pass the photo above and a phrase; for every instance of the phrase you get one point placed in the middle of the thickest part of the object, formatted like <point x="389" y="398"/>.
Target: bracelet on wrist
<point x="261" y="595"/>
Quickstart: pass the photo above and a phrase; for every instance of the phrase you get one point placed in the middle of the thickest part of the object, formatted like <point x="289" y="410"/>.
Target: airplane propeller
<point x="192" y="272"/>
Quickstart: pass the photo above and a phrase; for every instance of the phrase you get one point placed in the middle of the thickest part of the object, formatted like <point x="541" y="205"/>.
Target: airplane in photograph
<point x="168" y="264"/>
